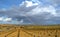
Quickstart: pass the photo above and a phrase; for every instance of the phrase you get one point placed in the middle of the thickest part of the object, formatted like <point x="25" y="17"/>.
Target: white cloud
<point x="38" y="10"/>
<point x="29" y="4"/>
<point x="7" y="19"/>
<point x="1" y="18"/>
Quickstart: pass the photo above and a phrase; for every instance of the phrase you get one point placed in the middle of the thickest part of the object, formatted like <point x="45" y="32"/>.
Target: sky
<point x="30" y="12"/>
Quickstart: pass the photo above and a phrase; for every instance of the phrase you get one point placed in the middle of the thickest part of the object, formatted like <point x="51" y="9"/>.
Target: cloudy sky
<point x="30" y="11"/>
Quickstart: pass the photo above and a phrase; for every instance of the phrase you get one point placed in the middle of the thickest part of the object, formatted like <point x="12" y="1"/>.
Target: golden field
<point x="7" y="30"/>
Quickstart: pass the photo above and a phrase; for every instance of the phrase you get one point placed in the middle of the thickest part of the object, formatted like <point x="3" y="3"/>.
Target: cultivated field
<point x="7" y="30"/>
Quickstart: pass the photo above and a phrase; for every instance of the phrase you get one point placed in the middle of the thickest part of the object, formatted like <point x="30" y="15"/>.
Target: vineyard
<point x="29" y="31"/>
